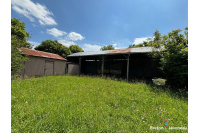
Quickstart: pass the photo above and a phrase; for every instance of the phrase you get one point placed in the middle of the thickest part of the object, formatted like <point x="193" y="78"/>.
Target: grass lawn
<point x="91" y="104"/>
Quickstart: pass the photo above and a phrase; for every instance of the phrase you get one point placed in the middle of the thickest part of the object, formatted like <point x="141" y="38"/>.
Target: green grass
<point x="91" y="104"/>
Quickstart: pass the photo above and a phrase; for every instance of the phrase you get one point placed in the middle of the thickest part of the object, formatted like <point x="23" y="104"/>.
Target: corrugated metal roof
<point x="27" y="51"/>
<point x="116" y="51"/>
<point x="89" y="53"/>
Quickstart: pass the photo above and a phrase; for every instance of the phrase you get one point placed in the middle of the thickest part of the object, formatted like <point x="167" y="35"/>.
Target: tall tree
<point x="53" y="47"/>
<point x="174" y="58"/>
<point x="109" y="47"/>
<point x="19" y="38"/>
<point x="18" y="29"/>
<point x="75" y="49"/>
<point x="16" y="56"/>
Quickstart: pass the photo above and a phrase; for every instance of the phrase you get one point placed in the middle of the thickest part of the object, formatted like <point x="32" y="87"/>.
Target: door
<point x="49" y="68"/>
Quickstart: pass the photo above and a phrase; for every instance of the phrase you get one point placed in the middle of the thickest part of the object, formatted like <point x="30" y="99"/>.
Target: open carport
<point x="127" y="63"/>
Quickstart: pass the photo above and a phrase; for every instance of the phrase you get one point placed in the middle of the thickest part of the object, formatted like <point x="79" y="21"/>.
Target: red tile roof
<point x="27" y="51"/>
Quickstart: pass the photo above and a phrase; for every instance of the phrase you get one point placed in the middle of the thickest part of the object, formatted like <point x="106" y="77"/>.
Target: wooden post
<point x="127" y="75"/>
<point x="102" y="66"/>
<point x="127" y="72"/>
<point x="96" y="66"/>
<point x="80" y="64"/>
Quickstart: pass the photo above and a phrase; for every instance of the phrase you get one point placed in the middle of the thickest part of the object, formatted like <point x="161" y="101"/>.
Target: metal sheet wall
<point x="35" y="66"/>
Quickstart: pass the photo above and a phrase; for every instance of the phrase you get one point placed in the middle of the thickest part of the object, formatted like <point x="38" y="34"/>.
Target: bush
<point x="174" y="57"/>
<point x="16" y="56"/>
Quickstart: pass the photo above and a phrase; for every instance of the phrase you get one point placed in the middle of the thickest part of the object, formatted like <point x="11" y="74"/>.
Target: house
<point x="126" y="63"/>
<point x="42" y="63"/>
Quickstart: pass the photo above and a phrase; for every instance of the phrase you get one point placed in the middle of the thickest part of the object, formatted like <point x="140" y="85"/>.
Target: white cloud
<point x="33" y="10"/>
<point x="34" y="43"/>
<point x="75" y="36"/>
<point x="71" y="37"/>
<point x="88" y="47"/>
<point x="66" y="42"/>
<point x="140" y="40"/>
<point x="55" y="32"/>
<point x="114" y="45"/>
<point x="117" y="47"/>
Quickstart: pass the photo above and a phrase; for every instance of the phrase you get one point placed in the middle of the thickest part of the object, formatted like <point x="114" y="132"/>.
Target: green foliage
<point x="18" y="29"/>
<point x="174" y="58"/>
<point x="91" y="105"/>
<point x="16" y="56"/>
<point x="186" y="35"/>
<point x="75" y="48"/>
<point x="157" y="36"/>
<point x="109" y="47"/>
<point x="53" y="47"/>
<point x="19" y="38"/>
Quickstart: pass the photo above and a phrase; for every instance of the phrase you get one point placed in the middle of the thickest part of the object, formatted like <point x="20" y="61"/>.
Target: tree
<point x="18" y="29"/>
<point x="16" y="56"/>
<point x="19" y="38"/>
<point x="75" y="49"/>
<point x="53" y="47"/>
<point x="109" y="47"/>
<point x="186" y="35"/>
<point x="157" y="36"/>
<point x="136" y="46"/>
<point x="174" y="58"/>
<point x="139" y="45"/>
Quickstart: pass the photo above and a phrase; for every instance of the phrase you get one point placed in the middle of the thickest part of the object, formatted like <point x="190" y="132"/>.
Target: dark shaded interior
<point x="140" y="65"/>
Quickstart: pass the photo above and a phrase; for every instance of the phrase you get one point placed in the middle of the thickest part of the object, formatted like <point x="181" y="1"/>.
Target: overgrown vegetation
<point x="91" y="104"/>
<point x="173" y="55"/>
<point x="19" y="38"/>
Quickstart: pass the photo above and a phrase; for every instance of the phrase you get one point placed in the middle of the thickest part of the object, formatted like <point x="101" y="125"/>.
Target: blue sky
<point x="92" y="24"/>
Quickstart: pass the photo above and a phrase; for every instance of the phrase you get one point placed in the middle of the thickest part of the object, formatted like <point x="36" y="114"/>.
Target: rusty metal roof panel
<point x="31" y="52"/>
<point x="117" y="51"/>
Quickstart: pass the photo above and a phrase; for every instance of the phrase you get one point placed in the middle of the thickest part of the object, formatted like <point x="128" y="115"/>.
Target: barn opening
<point x="129" y="63"/>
